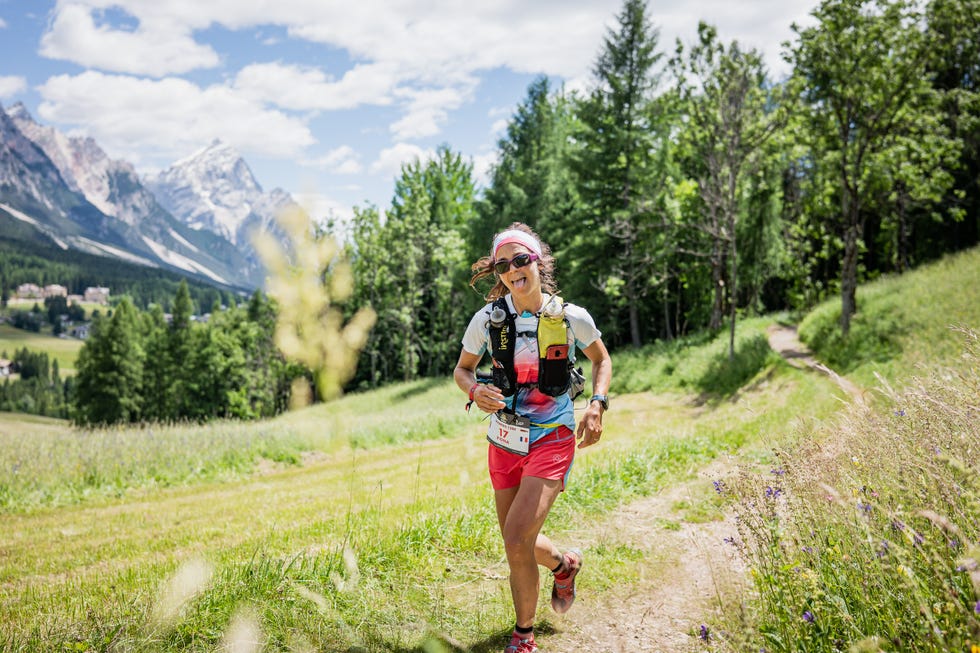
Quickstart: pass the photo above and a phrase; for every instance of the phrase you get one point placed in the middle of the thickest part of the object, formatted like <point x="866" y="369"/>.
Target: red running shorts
<point x="550" y="457"/>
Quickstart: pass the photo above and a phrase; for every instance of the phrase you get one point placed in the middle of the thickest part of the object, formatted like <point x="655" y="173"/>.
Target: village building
<point x="97" y="295"/>
<point x="55" y="290"/>
<point x="29" y="291"/>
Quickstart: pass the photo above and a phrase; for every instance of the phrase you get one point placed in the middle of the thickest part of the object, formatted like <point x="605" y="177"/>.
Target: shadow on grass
<point x="725" y="376"/>
<point x="419" y="388"/>
<point x="437" y="644"/>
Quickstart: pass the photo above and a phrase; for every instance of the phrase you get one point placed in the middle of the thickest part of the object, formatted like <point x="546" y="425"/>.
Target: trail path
<point x="688" y="570"/>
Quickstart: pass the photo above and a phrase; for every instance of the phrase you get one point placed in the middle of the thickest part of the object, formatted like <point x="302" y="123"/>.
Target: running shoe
<point x="563" y="592"/>
<point x="518" y="645"/>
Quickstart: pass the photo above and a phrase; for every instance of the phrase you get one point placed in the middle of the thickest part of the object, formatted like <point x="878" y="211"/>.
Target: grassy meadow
<point x="63" y="350"/>
<point x="367" y="524"/>
<point x="865" y="536"/>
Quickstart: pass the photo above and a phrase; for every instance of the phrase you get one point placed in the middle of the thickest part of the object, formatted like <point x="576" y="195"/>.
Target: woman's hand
<point x="488" y="398"/>
<point x="590" y="426"/>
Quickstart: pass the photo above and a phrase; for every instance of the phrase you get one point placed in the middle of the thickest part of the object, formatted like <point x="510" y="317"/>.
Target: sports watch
<point x="602" y="399"/>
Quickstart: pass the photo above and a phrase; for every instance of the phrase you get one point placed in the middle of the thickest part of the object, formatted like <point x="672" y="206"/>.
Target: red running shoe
<point x="518" y="645"/>
<point x="563" y="592"/>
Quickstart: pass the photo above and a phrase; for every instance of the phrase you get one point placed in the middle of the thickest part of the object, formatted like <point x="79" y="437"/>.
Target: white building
<point x="97" y="295"/>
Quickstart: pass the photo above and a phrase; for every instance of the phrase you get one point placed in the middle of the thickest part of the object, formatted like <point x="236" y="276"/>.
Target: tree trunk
<point x="848" y="281"/>
<point x="668" y="331"/>
<point x="903" y="229"/>
<point x="732" y="298"/>
<point x="718" y="284"/>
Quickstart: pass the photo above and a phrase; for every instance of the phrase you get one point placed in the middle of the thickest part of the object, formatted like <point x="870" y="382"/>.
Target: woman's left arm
<point x="590" y="427"/>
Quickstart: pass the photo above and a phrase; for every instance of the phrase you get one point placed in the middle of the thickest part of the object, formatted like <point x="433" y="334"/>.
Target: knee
<point x="518" y="545"/>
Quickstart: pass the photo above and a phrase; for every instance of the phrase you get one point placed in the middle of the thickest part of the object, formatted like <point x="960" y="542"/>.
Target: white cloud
<point x="342" y="160"/>
<point x="322" y="207"/>
<point x="155" y="48"/>
<point x="169" y="117"/>
<point x="424" y="55"/>
<point x="304" y="88"/>
<point x="499" y="127"/>
<point x="482" y="165"/>
<point x="427" y="109"/>
<point x="3" y="24"/>
<point x="390" y="160"/>
<point x="11" y="86"/>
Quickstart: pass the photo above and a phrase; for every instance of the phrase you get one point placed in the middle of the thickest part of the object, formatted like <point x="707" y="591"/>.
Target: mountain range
<point x="196" y="217"/>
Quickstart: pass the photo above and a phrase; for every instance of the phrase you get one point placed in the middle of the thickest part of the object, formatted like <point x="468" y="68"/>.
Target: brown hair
<point x="546" y="267"/>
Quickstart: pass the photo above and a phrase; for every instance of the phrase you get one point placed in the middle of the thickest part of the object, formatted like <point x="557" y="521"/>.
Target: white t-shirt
<point x="546" y="413"/>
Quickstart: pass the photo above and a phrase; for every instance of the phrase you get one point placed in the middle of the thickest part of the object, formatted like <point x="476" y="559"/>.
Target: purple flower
<point x="976" y="607"/>
<point x="773" y="492"/>
<point x="719" y="486"/>
<point x="778" y="472"/>
<point x="808" y="617"/>
<point x="730" y="540"/>
<point x="704" y="634"/>
<point x="900" y="412"/>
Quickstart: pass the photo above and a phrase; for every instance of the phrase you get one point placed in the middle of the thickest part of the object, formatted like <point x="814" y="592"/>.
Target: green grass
<point x="63" y="350"/>
<point x="697" y="363"/>
<point x="865" y="536"/>
<point x="903" y="322"/>
<point x="367" y="524"/>
<point x="375" y="531"/>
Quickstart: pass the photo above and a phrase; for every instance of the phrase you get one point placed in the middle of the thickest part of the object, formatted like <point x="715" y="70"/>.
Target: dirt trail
<point x="694" y="566"/>
<point x="687" y="567"/>
<point x="784" y="341"/>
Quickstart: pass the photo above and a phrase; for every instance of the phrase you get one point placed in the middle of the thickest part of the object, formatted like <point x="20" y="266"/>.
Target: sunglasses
<point x="501" y="266"/>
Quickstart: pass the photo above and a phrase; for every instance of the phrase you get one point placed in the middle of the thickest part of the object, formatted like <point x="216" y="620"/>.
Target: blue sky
<point x="325" y="99"/>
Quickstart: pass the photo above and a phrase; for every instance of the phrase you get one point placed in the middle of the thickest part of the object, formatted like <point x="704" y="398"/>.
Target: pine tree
<point x="619" y="169"/>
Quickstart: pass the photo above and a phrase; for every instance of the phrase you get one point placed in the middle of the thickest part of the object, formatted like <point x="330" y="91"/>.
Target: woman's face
<point x="521" y="282"/>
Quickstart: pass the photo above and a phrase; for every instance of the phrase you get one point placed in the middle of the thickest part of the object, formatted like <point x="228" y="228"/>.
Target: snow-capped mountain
<point x="214" y="189"/>
<point x="68" y="188"/>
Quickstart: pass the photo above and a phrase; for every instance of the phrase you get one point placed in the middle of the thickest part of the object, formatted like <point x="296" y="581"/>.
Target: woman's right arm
<point x="486" y="396"/>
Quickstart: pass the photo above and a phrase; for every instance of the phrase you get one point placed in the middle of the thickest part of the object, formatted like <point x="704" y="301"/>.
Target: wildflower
<point x="773" y="492"/>
<point x="730" y="540"/>
<point x="778" y="472"/>
<point x="865" y="507"/>
<point x="976" y="607"/>
<point x="808" y="617"/>
<point x="719" y="486"/>
<point x="809" y="549"/>
<point x="900" y="412"/>
<point x="704" y="634"/>
<point x="883" y="549"/>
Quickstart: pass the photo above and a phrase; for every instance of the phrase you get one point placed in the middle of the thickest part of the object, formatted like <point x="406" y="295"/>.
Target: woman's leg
<point x="521" y="512"/>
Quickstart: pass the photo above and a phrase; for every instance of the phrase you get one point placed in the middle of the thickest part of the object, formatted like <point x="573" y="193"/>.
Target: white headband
<point x="515" y="236"/>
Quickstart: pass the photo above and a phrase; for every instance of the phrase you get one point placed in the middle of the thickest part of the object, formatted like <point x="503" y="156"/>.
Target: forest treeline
<point x="683" y="188"/>
<point x="686" y="186"/>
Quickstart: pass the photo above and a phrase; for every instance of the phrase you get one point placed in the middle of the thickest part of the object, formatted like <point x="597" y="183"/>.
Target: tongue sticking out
<point x="519" y="283"/>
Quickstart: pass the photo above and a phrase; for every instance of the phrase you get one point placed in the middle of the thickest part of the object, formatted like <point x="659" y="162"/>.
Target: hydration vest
<point x="556" y="373"/>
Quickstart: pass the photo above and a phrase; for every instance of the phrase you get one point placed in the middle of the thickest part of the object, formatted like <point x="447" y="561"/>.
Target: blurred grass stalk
<point x="310" y="281"/>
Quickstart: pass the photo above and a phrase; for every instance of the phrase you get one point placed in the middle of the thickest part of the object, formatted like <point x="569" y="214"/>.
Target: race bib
<point x="510" y="432"/>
